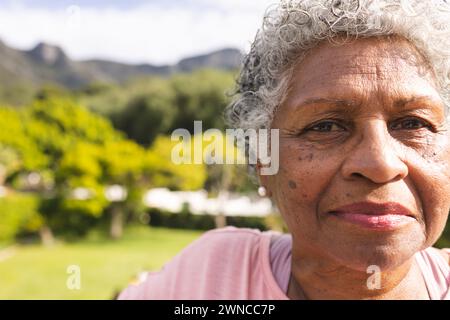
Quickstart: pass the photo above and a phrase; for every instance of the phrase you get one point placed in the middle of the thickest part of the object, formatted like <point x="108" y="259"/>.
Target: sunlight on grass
<point x="35" y="272"/>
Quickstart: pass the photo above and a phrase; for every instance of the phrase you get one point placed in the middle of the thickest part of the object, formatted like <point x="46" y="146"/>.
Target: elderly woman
<point x="360" y="93"/>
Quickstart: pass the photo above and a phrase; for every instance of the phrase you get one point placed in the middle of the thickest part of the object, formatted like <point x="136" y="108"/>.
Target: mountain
<point x="48" y="55"/>
<point x="223" y="59"/>
<point x="47" y="63"/>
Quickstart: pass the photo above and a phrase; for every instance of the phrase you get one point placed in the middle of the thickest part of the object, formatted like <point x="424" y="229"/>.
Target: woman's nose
<point x="375" y="156"/>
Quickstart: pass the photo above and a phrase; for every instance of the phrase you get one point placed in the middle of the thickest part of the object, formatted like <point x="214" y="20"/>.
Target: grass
<point x="37" y="272"/>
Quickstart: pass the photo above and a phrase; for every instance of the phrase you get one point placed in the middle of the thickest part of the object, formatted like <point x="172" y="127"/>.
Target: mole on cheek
<point x="429" y="156"/>
<point x="292" y="184"/>
<point x="309" y="157"/>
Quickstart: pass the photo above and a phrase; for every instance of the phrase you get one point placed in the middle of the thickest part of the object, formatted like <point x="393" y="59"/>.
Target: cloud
<point x="152" y="33"/>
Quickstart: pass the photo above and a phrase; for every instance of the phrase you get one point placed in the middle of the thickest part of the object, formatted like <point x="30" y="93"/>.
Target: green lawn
<point x="35" y="272"/>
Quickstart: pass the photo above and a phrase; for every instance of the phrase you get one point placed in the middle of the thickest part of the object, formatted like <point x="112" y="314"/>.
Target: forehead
<point x="365" y="68"/>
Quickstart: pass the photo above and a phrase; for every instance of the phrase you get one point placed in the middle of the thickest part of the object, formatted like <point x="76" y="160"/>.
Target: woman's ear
<point x="263" y="180"/>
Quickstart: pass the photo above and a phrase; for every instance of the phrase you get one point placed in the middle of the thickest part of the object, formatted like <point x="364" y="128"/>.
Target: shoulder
<point x="227" y="243"/>
<point x="217" y="256"/>
<point x="220" y="244"/>
<point x="222" y="239"/>
<point x="439" y="256"/>
<point x="229" y="236"/>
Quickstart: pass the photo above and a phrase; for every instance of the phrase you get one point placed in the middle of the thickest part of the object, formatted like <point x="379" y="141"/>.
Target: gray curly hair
<point x="293" y="27"/>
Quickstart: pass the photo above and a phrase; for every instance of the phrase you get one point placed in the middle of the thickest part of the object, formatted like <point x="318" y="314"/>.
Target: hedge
<point x="187" y="220"/>
<point x="18" y="213"/>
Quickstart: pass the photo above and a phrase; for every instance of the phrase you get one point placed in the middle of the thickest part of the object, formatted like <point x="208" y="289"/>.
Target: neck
<point x="318" y="278"/>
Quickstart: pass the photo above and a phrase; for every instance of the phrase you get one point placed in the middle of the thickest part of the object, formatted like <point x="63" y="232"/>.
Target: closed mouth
<point x="376" y="216"/>
<point x="376" y="209"/>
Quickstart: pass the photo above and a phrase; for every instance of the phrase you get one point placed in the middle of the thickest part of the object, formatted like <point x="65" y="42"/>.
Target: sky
<point x="132" y="31"/>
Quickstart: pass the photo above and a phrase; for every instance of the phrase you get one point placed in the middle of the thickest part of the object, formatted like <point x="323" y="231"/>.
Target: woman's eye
<point x="410" y="124"/>
<point x="325" y="126"/>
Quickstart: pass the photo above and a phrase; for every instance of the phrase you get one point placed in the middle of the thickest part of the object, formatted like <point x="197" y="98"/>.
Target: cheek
<point x="430" y="175"/>
<point x="304" y="175"/>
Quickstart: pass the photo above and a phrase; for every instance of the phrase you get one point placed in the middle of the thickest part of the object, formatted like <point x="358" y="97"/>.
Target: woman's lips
<point x="377" y="216"/>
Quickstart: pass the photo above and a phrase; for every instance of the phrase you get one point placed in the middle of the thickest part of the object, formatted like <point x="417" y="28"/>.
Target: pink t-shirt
<point x="240" y="263"/>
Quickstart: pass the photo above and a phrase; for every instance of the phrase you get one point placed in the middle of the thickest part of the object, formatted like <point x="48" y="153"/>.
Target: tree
<point x="9" y="162"/>
<point x="19" y="213"/>
<point x="163" y="172"/>
<point x="18" y="149"/>
<point x="201" y="95"/>
<point x="147" y="115"/>
<point x="126" y="174"/>
<point x="148" y="106"/>
<point x="57" y="135"/>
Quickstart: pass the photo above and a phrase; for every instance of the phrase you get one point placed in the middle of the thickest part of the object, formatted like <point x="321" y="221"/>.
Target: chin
<point x="385" y="251"/>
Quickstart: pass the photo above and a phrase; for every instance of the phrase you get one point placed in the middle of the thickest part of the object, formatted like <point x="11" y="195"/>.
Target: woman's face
<point x="362" y="122"/>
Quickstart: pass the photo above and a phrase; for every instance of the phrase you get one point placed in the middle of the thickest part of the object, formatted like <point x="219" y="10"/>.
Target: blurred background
<point x="90" y="92"/>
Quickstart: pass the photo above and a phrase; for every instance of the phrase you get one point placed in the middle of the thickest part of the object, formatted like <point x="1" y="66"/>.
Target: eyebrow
<point x="333" y="101"/>
<point x="349" y="107"/>
<point x="402" y="102"/>
<point x="340" y="106"/>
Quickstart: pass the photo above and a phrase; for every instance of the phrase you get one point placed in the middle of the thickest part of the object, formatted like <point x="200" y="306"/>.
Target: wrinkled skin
<point x="393" y="144"/>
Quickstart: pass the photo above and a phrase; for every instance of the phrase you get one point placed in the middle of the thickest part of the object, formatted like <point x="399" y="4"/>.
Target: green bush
<point x="444" y="240"/>
<point x="187" y="220"/>
<point x="18" y="213"/>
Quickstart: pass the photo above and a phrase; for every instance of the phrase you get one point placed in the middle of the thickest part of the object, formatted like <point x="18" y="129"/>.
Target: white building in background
<point x="116" y="193"/>
<point x="199" y="203"/>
